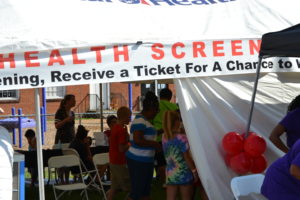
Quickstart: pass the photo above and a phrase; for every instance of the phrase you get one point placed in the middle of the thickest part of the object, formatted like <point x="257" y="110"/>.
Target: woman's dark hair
<point x="81" y="132"/>
<point x="165" y="93"/>
<point x="295" y="103"/>
<point x="150" y="102"/>
<point x="30" y="133"/>
<point x="90" y="140"/>
<point x="110" y="118"/>
<point x="64" y="101"/>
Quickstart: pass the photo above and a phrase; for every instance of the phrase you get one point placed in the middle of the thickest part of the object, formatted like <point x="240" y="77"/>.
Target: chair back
<point x="59" y="162"/>
<point x="100" y="139"/>
<point x="63" y="161"/>
<point x="61" y="146"/>
<point x="70" y="151"/>
<point x="244" y="185"/>
<point x="101" y="159"/>
<point x="65" y="145"/>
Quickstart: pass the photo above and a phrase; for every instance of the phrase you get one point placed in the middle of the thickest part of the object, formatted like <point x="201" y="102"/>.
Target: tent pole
<point x="101" y="108"/>
<point x="39" y="144"/>
<point x="130" y="96"/>
<point x="253" y="96"/>
<point x="155" y="87"/>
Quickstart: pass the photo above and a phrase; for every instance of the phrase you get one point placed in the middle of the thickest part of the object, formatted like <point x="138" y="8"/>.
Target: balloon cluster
<point x="245" y="155"/>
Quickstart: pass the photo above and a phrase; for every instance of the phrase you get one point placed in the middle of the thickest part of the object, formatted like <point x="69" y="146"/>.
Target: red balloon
<point x="259" y="164"/>
<point x="241" y="163"/>
<point x="227" y="159"/>
<point x="249" y="133"/>
<point x="233" y="143"/>
<point x="255" y="145"/>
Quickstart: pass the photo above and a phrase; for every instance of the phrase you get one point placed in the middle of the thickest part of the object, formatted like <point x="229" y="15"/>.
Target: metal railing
<point x="84" y="105"/>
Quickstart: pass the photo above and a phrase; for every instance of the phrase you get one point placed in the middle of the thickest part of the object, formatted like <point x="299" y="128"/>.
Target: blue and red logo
<point x="167" y="2"/>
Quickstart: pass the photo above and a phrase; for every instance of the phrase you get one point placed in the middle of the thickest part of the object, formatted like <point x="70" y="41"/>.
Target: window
<point x="9" y="95"/>
<point x="151" y="87"/>
<point x="55" y="92"/>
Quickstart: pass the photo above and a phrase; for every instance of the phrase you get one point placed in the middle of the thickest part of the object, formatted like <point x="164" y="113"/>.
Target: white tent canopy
<point x="40" y="25"/>
<point x="66" y="42"/>
<point x="52" y="43"/>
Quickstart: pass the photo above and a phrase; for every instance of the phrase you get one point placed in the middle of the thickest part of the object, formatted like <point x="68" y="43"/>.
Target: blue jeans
<point x="141" y="174"/>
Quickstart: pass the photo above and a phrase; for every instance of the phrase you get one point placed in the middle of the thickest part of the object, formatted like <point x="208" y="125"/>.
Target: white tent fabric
<point x="212" y="107"/>
<point x="6" y="164"/>
<point x="69" y="42"/>
<point x="44" y="25"/>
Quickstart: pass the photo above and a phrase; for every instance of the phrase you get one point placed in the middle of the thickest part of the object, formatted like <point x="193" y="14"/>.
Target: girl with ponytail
<point x="180" y="169"/>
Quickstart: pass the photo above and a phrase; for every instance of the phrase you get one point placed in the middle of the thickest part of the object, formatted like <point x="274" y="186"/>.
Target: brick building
<point x="87" y="97"/>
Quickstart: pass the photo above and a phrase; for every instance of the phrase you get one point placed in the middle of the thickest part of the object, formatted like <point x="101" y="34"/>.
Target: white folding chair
<point x="100" y="139"/>
<point x="57" y="162"/>
<point x="101" y="159"/>
<point x="85" y="171"/>
<point x="244" y="185"/>
<point x="57" y="146"/>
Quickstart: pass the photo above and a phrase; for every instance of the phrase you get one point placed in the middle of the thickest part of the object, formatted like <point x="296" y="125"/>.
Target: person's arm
<point x="61" y="123"/>
<point x="189" y="161"/>
<point x="275" y="138"/>
<point x="88" y="150"/>
<point x="185" y="148"/>
<point x="295" y="171"/>
<point x="122" y="138"/>
<point x="33" y="143"/>
<point x="123" y="147"/>
<point x="138" y="138"/>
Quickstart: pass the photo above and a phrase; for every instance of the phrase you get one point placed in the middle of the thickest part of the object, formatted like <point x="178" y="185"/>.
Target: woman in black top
<point x="65" y="120"/>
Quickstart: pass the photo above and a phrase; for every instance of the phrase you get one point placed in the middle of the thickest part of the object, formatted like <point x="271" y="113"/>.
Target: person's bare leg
<point x="102" y="169"/>
<point x="172" y="192"/>
<point x="110" y="194"/>
<point x="146" y="198"/>
<point x="202" y="192"/>
<point x="186" y="191"/>
<point x="162" y="173"/>
<point x="67" y="175"/>
<point x="60" y="173"/>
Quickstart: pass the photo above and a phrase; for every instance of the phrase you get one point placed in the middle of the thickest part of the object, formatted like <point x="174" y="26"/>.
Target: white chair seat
<point x="244" y="185"/>
<point x="253" y="196"/>
<point x="75" y="186"/>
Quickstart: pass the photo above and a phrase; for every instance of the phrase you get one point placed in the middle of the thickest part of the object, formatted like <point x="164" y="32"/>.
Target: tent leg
<point x="155" y="87"/>
<point x="39" y="144"/>
<point x="101" y="108"/>
<point x="253" y="97"/>
<point x="130" y="96"/>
